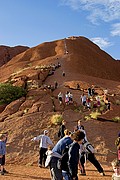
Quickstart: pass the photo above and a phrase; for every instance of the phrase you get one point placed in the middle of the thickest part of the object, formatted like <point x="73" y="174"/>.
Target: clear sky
<point x="32" y="22"/>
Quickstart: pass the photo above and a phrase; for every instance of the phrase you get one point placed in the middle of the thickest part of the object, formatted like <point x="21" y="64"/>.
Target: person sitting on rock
<point x="78" y="86"/>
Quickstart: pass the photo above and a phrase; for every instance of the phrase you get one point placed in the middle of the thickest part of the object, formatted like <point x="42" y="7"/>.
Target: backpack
<point x="88" y="147"/>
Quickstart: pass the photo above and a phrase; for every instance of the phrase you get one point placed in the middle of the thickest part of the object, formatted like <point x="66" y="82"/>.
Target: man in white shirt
<point x="45" y="142"/>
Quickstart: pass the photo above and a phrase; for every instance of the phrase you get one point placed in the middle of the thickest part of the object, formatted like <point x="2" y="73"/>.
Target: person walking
<point x="83" y="99"/>
<point x="56" y="156"/>
<point x="73" y="153"/>
<point x="45" y="142"/>
<point x="87" y="152"/>
<point x="62" y="128"/>
<point x="60" y="98"/>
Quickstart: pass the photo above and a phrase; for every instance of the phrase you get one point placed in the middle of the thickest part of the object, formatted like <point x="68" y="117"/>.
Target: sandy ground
<point x="36" y="173"/>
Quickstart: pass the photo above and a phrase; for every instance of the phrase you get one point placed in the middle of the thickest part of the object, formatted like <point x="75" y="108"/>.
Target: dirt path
<point x="35" y="173"/>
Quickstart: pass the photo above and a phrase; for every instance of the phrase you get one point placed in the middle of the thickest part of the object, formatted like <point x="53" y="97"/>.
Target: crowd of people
<point x="88" y="101"/>
<point x="67" y="158"/>
<point x="68" y="98"/>
<point x="70" y="152"/>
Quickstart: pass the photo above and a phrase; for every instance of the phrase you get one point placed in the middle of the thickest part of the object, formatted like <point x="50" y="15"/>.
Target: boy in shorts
<point x="2" y="153"/>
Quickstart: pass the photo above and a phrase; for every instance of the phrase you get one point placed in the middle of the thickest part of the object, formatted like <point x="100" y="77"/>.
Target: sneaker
<point x="102" y="174"/>
<point x="1" y="173"/>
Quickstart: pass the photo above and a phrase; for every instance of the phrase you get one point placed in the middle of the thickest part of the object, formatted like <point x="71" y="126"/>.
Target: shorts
<point x="2" y="161"/>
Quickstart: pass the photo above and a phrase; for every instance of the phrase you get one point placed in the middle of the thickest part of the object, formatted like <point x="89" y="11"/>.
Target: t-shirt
<point x="44" y="141"/>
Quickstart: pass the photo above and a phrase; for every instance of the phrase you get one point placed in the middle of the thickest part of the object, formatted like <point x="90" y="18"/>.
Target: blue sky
<point x="32" y="22"/>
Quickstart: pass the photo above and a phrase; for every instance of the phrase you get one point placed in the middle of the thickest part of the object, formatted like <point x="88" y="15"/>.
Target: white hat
<point x="45" y="131"/>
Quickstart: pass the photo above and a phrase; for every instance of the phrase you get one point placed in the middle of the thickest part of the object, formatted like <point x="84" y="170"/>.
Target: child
<point x="116" y="168"/>
<point x="2" y="152"/>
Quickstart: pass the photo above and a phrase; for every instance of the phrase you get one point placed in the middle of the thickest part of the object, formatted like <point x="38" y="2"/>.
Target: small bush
<point x="87" y="117"/>
<point x="56" y="119"/>
<point x="94" y="115"/>
<point x="117" y="102"/>
<point x="116" y="119"/>
<point x="9" y="93"/>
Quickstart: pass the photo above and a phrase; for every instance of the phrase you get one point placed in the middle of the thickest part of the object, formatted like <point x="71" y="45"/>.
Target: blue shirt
<point x="61" y="145"/>
<point x="2" y="147"/>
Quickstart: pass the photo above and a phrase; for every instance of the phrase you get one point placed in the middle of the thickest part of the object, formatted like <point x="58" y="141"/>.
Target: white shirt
<point x="83" y="98"/>
<point x="45" y="141"/>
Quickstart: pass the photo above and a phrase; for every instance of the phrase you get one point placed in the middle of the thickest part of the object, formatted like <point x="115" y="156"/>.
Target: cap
<point x="45" y="131"/>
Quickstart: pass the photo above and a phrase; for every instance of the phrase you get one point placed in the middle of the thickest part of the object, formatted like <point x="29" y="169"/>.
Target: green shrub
<point x="102" y="108"/>
<point x="87" y="117"/>
<point x="56" y="119"/>
<point x="9" y="93"/>
<point x="117" y="102"/>
<point x="94" y="115"/>
<point x="116" y="119"/>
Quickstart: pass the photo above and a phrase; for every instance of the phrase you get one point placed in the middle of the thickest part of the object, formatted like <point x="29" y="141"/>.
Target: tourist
<point x="62" y="128"/>
<point x="67" y="98"/>
<point x="45" y="142"/>
<point x="83" y="99"/>
<point x="3" y="140"/>
<point x="56" y="156"/>
<point x="87" y="153"/>
<point x="116" y="168"/>
<point x="73" y="153"/>
<point x="60" y="98"/>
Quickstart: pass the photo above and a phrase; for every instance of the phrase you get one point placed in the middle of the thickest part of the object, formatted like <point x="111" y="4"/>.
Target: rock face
<point x="37" y="69"/>
<point x="7" y="53"/>
<point x="77" y="55"/>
